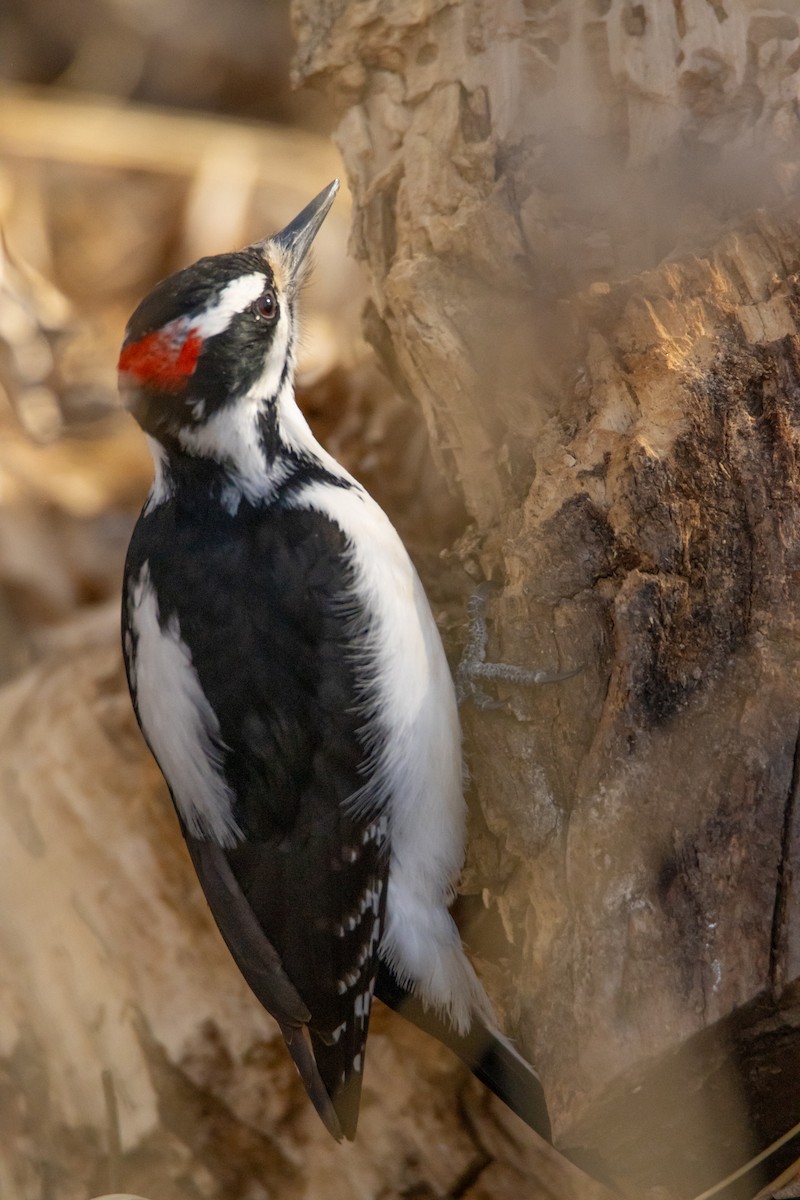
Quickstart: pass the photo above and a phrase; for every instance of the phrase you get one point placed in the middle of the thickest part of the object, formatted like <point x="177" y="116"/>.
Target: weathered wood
<point x="110" y="965"/>
<point x="557" y="209"/>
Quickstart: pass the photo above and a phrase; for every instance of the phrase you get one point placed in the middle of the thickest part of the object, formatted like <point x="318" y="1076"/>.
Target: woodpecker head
<point x="217" y="332"/>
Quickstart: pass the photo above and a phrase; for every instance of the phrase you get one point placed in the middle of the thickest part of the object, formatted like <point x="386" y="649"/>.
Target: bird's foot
<point x="473" y="666"/>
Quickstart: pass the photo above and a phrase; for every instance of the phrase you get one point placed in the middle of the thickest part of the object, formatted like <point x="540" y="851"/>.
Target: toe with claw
<point x="473" y="666"/>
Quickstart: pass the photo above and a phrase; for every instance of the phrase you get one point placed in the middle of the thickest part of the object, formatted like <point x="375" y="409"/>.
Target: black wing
<point x="265" y="604"/>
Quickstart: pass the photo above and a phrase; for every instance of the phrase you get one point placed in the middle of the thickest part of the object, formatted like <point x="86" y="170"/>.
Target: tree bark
<point x="581" y="235"/>
<point x="132" y="1054"/>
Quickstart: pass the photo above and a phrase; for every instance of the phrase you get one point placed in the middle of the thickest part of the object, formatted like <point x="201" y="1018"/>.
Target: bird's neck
<point x="251" y="449"/>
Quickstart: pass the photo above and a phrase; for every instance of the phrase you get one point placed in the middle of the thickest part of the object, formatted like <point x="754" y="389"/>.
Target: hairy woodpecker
<point x="289" y="679"/>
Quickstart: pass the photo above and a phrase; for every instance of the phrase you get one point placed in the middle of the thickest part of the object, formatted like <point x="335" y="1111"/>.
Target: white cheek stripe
<point x="275" y="366"/>
<point x="180" y="725"/>
<point x="232" y="437"/>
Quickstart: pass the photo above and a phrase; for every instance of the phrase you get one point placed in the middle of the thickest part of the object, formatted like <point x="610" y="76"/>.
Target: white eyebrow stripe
<point x="233" y="299"/>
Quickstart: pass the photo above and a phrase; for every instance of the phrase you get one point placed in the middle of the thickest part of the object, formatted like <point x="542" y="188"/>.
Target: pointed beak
<point x="295" y="240"/>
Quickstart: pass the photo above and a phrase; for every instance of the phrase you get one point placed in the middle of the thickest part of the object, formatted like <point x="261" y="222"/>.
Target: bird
<point x="290" y="681"/>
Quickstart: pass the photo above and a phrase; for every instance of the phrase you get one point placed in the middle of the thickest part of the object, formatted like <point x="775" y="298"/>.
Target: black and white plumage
<point x="289" y="679"/>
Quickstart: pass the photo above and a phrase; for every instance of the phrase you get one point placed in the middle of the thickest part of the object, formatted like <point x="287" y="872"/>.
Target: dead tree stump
<point x="581" y="231"/>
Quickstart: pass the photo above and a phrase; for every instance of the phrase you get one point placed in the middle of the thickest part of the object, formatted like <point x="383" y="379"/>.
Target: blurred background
<point x="134" y="138"/>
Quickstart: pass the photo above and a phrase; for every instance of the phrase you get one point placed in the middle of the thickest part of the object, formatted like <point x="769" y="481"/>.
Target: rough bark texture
<point x="581" y="235"/>
<point x="131" y="1052"/>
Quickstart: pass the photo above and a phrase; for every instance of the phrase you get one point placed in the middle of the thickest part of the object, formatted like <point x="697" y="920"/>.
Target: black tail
<point x="488" y="1055"/>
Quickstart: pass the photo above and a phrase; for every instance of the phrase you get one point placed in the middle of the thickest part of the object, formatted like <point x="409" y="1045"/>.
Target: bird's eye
<point x="266" y="306"/>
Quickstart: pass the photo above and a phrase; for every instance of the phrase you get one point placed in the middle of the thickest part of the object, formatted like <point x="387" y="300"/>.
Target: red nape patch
<point x="162" y="359"/>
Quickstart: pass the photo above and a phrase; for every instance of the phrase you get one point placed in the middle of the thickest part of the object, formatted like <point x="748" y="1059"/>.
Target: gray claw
<point x="473" y="665"/>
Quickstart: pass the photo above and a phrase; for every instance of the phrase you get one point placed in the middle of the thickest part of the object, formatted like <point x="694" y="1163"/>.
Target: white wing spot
<point x="362" y="1005"/>
<point x="376" y="831"/>
<point x="369" y="900"/>
<point x="348" y="981"/>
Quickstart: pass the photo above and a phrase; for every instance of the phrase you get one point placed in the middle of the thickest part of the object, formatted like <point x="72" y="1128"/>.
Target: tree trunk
<point x="581" y="233"/>
<point x="132" y="1056"/>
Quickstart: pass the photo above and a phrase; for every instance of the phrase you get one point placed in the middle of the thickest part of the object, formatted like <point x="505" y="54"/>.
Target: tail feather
<point x="514" y="1081"/>
<point x="491" y="1057"/>
<point x="298" y="1042"/>
<point x="341" y="1075"/>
